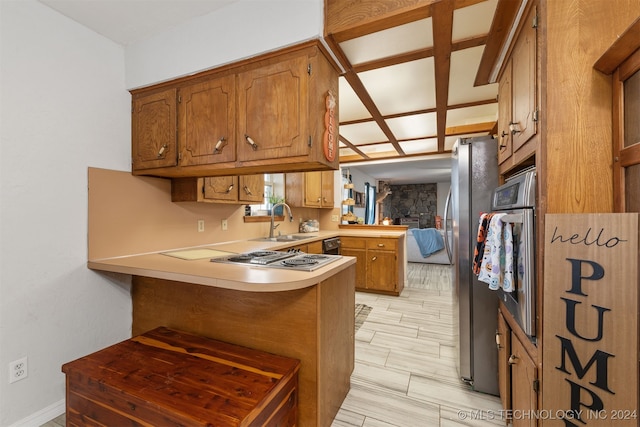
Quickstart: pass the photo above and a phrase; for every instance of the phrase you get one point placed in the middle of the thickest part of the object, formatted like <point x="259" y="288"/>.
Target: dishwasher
<point x="331" y="246"/>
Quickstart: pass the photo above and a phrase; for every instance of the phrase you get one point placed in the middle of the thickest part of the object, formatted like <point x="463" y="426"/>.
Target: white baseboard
<point x="42" y="416"/>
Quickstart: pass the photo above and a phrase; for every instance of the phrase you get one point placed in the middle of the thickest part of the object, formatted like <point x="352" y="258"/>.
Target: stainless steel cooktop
<point x="292" y="260"/>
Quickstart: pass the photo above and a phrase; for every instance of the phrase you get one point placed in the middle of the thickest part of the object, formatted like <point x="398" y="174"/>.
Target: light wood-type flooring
<point x="406" y="362"/>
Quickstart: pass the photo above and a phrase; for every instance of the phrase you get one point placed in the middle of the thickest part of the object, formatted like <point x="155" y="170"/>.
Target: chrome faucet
<point x="273" y="212"/>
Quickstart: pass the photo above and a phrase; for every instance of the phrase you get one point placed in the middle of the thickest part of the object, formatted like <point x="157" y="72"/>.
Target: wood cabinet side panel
<point x="337" y="342"/>
<point x="578" y="103"/>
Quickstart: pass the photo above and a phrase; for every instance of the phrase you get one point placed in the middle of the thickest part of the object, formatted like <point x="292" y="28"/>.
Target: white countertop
<point x="231" y="276"/>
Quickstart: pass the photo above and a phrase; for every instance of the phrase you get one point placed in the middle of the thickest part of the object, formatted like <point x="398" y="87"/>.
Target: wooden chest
<point x="169" y="378"/>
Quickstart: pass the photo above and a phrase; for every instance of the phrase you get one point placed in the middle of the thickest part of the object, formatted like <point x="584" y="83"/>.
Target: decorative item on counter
<point x="360" y="220"/>
<point x="309" y="226"/>
<point x="438" y="222"/>
<point x="247" y="210"/>
<point x="350" y="218"/>
<point x="386" y="221"/>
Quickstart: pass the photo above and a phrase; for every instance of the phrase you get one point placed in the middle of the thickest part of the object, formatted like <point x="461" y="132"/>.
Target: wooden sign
<point x="329" y="142"/>
<point x="590" y="320"/>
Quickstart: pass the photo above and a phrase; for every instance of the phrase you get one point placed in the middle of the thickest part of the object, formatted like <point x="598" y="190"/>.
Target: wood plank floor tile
<point x="406" y="370"/>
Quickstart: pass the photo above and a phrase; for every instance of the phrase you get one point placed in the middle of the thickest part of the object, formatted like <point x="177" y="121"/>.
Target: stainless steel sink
<point x="285" y="238"/>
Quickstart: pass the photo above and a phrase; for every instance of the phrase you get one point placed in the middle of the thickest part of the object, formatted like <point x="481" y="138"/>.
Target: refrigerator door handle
<point x="446" y="234"/>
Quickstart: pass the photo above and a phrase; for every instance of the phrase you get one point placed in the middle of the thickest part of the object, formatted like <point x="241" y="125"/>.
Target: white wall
<point x="64" y="107"/>
<point x="240" y="30"/>
<point x="358" y="178"/>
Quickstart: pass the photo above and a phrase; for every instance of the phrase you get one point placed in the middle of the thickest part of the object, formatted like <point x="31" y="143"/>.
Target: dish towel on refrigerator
<point x="481" y="239"/>
<point x="497" y="262"/>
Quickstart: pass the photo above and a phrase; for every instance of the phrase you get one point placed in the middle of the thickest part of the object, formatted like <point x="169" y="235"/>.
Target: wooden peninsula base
<point x="314" y="325"/>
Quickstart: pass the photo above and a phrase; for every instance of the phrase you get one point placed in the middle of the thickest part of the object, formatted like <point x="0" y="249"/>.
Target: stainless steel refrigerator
<point x="474" y="176"/>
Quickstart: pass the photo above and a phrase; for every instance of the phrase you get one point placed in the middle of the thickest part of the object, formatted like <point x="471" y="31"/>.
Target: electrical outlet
<point x="224" y="225"/>
<point x="18" y="370"/>
<point x="334" y="218"/>
<point x="200" y="225"/>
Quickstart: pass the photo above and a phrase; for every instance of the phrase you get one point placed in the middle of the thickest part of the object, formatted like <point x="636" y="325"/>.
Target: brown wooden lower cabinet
<point x="167" y="377"/>
<point x="517" y="376"/>
<point x="524" y="385"/>
<point x="314" y="325"/>
<point x="503" y="341"/>
<point x="377" y="268"/>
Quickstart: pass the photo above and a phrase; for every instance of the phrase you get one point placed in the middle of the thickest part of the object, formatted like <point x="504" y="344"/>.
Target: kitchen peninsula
<point x="308" y="316"/>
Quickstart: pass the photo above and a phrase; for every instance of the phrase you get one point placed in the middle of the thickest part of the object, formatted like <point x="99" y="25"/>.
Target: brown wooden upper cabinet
<point x="517" y="96"/>
<point x="245" y="189"/>
<point x="310" y="189"/>
<point x="265" y="114"/>
<point x="273" y="116"/>
<point x="153" y="129"/>
<point x="206" y="117"/>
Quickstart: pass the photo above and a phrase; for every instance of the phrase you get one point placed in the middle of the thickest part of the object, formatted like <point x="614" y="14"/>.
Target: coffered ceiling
<point x="407" y="91"/>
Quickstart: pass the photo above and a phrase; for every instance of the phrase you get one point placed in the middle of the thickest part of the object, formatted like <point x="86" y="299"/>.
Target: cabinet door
<point x="221" y="188"/>
<point x="524" y="83"/>
<point x="273" y="112"/>
<point x="251" y="188"/>
<point x="503" y="341"/>
<point x="313" y="189"/>
<point x="153" y="126"/>
<point x="361" y="264"/>
<point x="207" y="122"/>
<point x="524" y="375"/>
<point x="315" y="247"/>
<point x="504" y="115"/>
<point x="326" y="189"/>
<point x="382" y="273"/>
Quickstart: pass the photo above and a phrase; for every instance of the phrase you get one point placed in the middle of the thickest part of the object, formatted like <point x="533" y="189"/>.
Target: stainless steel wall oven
<point x="517" y="198"/>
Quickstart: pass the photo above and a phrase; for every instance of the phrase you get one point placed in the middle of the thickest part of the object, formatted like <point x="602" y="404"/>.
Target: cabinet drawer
<point x="353" y="242"/>
<point x="382" y="244"/>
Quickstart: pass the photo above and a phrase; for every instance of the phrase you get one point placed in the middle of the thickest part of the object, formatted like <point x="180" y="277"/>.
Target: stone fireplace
<point x="419" y="201"/>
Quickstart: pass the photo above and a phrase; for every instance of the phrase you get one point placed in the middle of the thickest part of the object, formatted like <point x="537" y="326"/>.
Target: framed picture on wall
<point x="359" y="198"/>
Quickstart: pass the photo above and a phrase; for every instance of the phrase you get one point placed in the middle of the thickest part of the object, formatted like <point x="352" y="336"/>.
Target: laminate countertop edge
<point x="229" y="276"/>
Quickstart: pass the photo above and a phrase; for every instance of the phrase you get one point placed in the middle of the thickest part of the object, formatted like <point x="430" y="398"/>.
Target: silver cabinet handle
<point x="229" y="189"/>
<point x="222" y="142"/>
<point x="513" y="359"/>
<point x="247" y="191"/>
<point x="374" y="258"/>
<point x="251" y="142"/>
<point x="162" y="150"/>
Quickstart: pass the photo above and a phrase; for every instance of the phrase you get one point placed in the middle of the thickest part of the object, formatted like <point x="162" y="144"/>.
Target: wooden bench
<point x="169" y="378"/>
